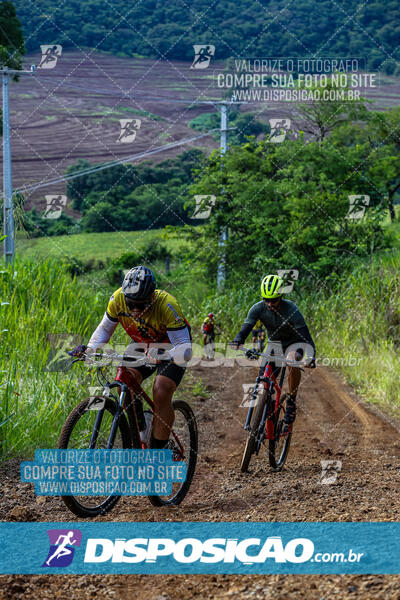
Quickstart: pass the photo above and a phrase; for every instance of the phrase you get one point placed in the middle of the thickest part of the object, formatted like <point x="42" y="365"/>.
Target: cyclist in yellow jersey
<point x="152" y="325"/>
<point x="208" y="329"/>
<point x="150" y="317"/>
<point x="258" y="336"/>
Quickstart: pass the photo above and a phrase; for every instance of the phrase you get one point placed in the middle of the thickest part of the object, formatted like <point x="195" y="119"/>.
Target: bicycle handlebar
<point x="110" y="357"/>
<point x="283" y="362"/>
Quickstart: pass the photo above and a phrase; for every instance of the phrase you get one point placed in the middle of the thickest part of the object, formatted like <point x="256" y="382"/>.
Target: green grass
<point x="40" y="300"/>
<point x="166" y="136"/>
<point x="359" y="323"/>
<point x="141" y="113"/>
<point x="133" y="111"/>
<point x="99" y="246"/>
<point x="203" y="122"/>
<point x="177" y="88"/>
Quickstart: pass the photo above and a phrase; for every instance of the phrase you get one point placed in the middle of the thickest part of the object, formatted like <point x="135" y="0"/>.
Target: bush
<point x="74" y="266"/>
<point x="152" y="251"/>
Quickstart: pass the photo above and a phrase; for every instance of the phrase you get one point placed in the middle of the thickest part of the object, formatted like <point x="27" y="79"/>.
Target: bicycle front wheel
<point x="184" y="445"/>
<point x="253" y="433"/>
<point x="77" y="434"/>
<point x="279" y="446"/>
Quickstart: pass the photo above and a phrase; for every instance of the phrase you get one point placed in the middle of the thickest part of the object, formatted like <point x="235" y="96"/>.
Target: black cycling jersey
<point x="285" y="324"/>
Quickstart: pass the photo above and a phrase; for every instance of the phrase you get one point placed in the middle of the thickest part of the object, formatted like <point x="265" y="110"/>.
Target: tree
<point x="12" y="46"/>
<point x="383" y="131"/>
<point x="286" y="206"/>
<point x="247" y="125"/>
<point x="379" y="137"/>
<point x="321" y="114"/>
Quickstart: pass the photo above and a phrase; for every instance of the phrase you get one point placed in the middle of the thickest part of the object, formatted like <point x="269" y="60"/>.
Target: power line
<point x="102" y="166"/>
<point x="128" y="97"/>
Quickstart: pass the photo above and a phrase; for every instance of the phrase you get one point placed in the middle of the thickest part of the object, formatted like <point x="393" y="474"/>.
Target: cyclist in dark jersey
<point x="287" y="331"/>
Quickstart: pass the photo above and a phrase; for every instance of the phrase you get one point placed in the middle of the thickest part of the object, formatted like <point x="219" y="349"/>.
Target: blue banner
<point x="195" y="548"/>
<point x="103" y="472"/>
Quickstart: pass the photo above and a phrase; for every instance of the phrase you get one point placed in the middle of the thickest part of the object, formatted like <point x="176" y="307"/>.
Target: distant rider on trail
<point x="208" y="329"/>
<point x="258" y="337"/>
<point x="287" y="331"/>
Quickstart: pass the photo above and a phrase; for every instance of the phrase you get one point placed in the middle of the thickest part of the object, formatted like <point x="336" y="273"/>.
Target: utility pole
<point x="8" y="214"/>
<point x="223" y="234"/>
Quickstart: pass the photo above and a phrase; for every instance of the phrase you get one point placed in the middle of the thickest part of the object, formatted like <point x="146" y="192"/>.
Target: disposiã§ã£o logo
<point x="62" y="547"/>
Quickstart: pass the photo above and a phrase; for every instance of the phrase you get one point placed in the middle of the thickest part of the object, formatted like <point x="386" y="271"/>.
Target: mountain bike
<point x="109" y="421"/>
<point x="264" y="420"/>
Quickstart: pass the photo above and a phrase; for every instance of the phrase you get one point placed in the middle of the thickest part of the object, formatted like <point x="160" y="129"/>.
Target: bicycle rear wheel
<point x="253" y="433"/>
<point x="279" y="446"/>
<point x="184" y="444"/>
<point x="76" y="434"/>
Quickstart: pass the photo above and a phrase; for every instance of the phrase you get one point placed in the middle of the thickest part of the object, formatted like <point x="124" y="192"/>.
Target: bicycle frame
<point x="125" y="381"/>
<point x="270" y="384"/>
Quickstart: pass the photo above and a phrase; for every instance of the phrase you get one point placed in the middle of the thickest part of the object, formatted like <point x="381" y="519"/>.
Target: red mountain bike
<point x="265" y="417"/>
<point x="110" y="421"/>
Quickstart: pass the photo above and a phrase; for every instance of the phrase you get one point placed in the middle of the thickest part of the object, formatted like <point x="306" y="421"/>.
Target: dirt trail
<point x="332" y="424"/>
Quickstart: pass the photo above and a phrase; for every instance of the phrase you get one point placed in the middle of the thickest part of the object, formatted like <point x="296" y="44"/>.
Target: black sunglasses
<point x="137" y="303"/>
<point x="271" y="300"/>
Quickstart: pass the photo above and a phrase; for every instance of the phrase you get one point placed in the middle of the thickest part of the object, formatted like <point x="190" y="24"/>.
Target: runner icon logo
<point x="289" y="276"/>
<point x="249" y="398"/>
<point x="129" y="128"/>
<point x="358" y="205"/>
<point x="54" y="206"/>
<point x="50" y="54"/>
<point x="279" y="129"/>
<point x="330" y="471"/>
<point x="202" y="55"/>
<point x="62" y="542"/>
<point x="204" y="205"/>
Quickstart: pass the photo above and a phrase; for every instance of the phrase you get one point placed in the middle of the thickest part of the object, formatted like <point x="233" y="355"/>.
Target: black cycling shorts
<point x="285" y="345"/>
<point x="165" y="367"/>
<point x="255" y="332"/>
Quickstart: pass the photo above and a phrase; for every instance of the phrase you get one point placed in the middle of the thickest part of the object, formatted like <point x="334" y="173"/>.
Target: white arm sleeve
<point x="181" y="351"/>
<point x="103" y="333"/>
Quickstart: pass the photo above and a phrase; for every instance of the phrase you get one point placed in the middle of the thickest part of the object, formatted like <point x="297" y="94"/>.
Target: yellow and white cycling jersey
<point x="164" y="314"/>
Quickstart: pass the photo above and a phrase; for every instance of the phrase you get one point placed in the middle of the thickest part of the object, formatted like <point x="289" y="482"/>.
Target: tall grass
<point x="38" y="300"/>
<point x="359" y="321"/>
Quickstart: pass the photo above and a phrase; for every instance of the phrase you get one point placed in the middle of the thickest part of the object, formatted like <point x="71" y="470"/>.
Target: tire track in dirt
<point x="332" y="424"/>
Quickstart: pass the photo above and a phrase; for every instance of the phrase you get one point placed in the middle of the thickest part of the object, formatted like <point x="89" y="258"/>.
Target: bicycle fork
<point x="253" y="402"/>
<point x="97" y="424"/>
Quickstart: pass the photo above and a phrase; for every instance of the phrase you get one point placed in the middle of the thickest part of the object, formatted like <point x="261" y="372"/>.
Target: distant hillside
<point x="251" y="28"/>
